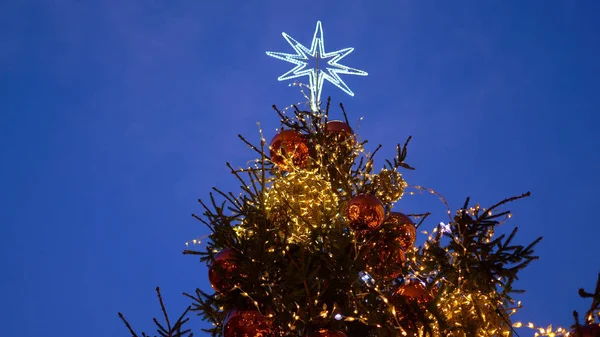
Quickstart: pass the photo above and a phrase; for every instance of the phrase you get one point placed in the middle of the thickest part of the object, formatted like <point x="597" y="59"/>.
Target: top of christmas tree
<point x="314" y="245"/>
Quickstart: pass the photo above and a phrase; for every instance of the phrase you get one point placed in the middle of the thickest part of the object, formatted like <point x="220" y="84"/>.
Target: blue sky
<point x="118" y="115"/>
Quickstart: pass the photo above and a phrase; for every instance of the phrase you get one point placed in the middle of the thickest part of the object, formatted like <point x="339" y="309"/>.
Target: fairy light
<point x="197" y="241"/>
<point x="431" y="191"/>
<point x="317" y="76"/>
<point x="310" y="203"/>
<point x="306" y="198"/>
<point x="367" y="279"/>
<point x="548" y="331"/>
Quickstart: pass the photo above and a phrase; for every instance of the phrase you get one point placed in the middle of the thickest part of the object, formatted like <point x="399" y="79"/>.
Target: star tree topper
<point x="316" y="75"/>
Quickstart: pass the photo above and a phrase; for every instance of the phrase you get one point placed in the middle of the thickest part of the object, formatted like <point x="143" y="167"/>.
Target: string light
<point x="197" y="241"/>
<point x="311" y="203"/>
<point x="366" y="278"/>
<point x="303" y="201"/>
<point x="543" y="332"/>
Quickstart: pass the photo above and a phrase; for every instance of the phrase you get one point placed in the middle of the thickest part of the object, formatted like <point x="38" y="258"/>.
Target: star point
<point x="317" y="75"/>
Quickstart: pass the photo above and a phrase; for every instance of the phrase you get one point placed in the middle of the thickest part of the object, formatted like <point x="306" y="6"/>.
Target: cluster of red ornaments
<point x="293" y="145"/>
<point x="385" y="257"/>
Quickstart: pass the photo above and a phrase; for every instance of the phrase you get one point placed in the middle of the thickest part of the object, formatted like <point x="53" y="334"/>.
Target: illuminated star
<point x="317" y="76"/>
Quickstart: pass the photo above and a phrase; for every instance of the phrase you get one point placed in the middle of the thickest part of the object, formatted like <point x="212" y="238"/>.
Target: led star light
<point x="317" y="76"/>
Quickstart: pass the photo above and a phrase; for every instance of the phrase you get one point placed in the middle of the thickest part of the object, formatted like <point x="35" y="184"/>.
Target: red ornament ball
<point x="384" y="260"/>
<point x="590" y="330"/>
<point x="404" y="299"/>
<point x="289" y="144"/>
<point x="339" y="129"/>
<point x="365" y="212"/>
<point x="327" y="333"/>
<point x="247" y="323"/>
<point x="403" y="229"/>
<point x="413" y="291"/>
<point x="224" y="269"/>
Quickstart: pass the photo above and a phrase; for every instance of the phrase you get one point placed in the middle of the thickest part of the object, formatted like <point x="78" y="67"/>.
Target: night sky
<point x="118" y="115"/>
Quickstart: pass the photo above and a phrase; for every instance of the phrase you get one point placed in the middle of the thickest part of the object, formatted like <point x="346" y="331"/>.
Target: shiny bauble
<point x="590" y="330"/>
<point x="327" y="333"/>
<point x="247" y="323"/>
<point x="414" y="291"/>
<point x="384" y="261"/>
<point x="289" y="149"/>
<point x="224" y="270"/>
<point x="402" y="229"/>
<point x="365" y="213"/>
<point x="409" y="299"/>
<point x="339" y="129"/>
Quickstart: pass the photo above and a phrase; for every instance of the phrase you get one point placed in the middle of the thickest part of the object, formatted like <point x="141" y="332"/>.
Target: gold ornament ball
<point x="223" y="269"/>
<point x="403" y="229"/>
<point x="247" y="323"/>
<point x="389" y="186"/>
<point x="327" y="333"/>
<point x="365" y="212"/>
<point x="286" y="145"/>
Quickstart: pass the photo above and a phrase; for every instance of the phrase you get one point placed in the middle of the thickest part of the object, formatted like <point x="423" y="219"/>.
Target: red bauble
<point x="289" y="144"/>
<point x="224" y="269"/>
<point x="413" y="291"/>
<point x="403" y="229"/>
<point x="384" y="260"/>
<point x="327" y="333"/>
<point x="590" y="330"/>
<point x="339" y="129"/>
<point x="247" y="323"/>
<point x="365" y="212"/>
<point x="408" y="300"/>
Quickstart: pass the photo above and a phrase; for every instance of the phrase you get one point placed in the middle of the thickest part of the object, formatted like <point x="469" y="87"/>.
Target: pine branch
<point x="345" y="115"/>
<point x="174" y="331"/>
<point x="284" y="119"/>
<point x="250" y="144"/>
<point x="401" y="156"/>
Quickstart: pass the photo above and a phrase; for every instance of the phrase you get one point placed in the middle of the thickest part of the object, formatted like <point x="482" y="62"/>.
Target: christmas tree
<point x="318" y="244"/>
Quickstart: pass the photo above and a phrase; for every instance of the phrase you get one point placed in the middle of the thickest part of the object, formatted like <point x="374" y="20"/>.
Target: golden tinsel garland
<point x="299" y="202"/>
<point x="389" y="186"/>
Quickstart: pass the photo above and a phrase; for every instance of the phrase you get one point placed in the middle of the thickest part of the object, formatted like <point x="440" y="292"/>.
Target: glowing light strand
<point x="316" y="75"/>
